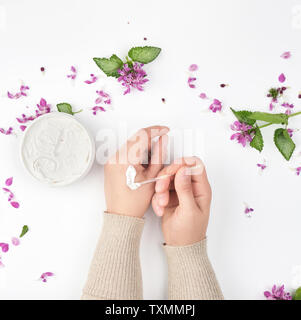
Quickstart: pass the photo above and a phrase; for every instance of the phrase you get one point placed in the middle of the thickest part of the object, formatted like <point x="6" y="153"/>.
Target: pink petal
<point x="193" y="67"/>
<point x="9" y="182"/>
<point x="203" y="96"/>
<point x="23" y="128"/>
<point x="15" y="241"/>
<point x="286" y="55"/>
<point x="281" y="78"/>
<point x="4" y="246"/>
<point x="15" y="204"/>
<point x="73" y="69"/>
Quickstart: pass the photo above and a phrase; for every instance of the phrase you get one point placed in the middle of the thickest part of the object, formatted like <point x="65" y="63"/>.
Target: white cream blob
<point x="57" y="149"/>
<point x="130" y="178"/>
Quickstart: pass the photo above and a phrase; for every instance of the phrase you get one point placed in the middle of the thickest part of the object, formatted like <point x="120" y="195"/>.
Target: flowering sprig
<point x="249" y="131"/>
<point x="129" y="72"/>
<point x="277" y="293"/>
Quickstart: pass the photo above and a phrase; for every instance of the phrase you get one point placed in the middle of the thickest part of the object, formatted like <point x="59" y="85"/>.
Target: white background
<point x="234" y="42"/>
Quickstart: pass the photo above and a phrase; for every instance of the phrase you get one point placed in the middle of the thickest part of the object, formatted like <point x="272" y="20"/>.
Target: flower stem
<point x="294" y="114"/>
<point x="265" y="125"/>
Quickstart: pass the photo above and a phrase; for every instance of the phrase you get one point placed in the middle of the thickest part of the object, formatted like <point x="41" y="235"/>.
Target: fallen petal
<point x="9" y="182"/>
<point x="286" y="55"/>
<point x="15" y="241"/>
<point x="15" y="204"/>
<point x="281" y="78"/>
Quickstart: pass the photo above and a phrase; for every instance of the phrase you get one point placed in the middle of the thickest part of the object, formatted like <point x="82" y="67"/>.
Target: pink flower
<point x="42" y="109"/>
<point x="193" y="67"/>
<point x="286" y="55"/>
<point x="74" y="73"/>
<point x="15" y="241"/>
<point x="4" y="246"/>
<point x="96" y="109"/>
<point x="262" y="166"/>
<point x="44" y="276"/>
<point x="103" y="97"/>
<point x="92" y="80"/>
<point x="189" y="81"/>
<point x="243" y="135"/>
<point x="288" y="106"/>
<point x="281" y="78"/>
<point x="277" y="294"/>
<point x="216" y="105"/>
<point x="298" y="171"/>
<point x="290" y="132"/>
<point x="203" y="96"/>
<point x="23" y="128"/>
<point x="7" y="132"/>
<point x="248" y="211"/>
<point x="134" y="77"/>
<point x="18" y="95"/>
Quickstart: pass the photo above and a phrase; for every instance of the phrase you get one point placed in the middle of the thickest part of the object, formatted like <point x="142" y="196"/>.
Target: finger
<point x="202" y="191"/>
<point x="159" y="211"/>
<point x="137" y="147"/>
<point x="183" y="185"/>
<point x="158" y="156"/>
<point x="163" y="184"/>
<point x="172" y="202"/>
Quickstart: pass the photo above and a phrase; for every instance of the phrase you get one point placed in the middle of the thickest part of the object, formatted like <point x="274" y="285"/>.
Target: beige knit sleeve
<point x="190" y="274"/>
<point x="115" y="271"/>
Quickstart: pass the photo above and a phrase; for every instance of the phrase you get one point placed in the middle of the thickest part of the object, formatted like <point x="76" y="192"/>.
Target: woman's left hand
<point x="120" y="198"/>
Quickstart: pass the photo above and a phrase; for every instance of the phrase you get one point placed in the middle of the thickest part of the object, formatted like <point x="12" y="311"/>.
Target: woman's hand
<point x="120" y="198"/>
<point x="183" y="200"/>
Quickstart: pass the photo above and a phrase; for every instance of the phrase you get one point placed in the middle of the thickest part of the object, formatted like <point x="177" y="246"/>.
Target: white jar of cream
<point x="57" y="150"/>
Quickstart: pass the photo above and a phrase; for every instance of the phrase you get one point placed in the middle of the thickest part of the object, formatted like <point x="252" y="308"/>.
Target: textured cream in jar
<point x="57" y="149"/>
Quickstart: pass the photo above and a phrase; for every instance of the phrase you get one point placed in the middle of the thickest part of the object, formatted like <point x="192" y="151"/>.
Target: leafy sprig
<point x="66" y="108"/>
<point x="129" y="72"/>
<point x="137" y="54"/>
<point x="282" y="138"/>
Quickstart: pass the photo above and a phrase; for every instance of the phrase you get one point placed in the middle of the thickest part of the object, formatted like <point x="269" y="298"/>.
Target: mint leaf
<point x="66" y="107"/>
<point x="284" y="143"/>
<point x="244" y="116"/>
<point x="257" y="141"/>
<point x="144" y="54"/>
<point x="24" y="231"/>
<point x="109" y="66"/>
<point x="270" y="117"/>
<point x="297" y="295"/>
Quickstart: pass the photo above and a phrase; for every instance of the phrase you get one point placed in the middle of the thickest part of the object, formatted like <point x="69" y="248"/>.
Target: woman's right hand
<point x="183" y="201"/>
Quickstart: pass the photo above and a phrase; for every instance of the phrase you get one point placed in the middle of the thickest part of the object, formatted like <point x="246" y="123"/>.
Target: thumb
<point x="183" y="186"/>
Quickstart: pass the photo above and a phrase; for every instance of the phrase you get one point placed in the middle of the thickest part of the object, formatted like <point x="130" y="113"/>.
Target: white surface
<point x="235" y="42"/>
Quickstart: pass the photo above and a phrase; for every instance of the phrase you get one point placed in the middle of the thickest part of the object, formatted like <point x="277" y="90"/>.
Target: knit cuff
<point x="190" y="274"/>
<point x="115" y="270"/>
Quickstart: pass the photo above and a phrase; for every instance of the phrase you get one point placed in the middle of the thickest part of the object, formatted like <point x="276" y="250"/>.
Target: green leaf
<point x="284" y="143"/>
<point x="66" y="107"/>
<point x="257" y="141"/>
<point x="270" y="117"/>
<point x="274" y="93"/>
<point x="244" y="116"/>
<point x="144" y="54"/>
<point x="24" y="231"/>
<point x="109" y="66"/>
<point x="297" y="295"/>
